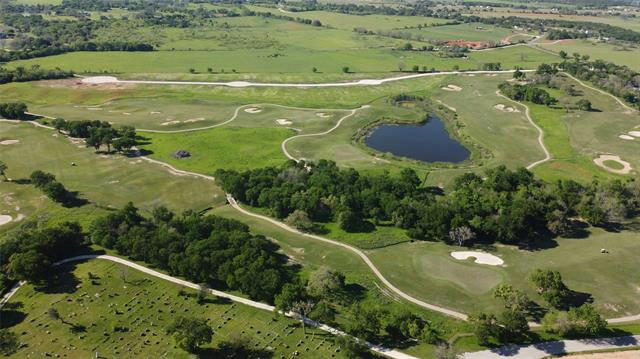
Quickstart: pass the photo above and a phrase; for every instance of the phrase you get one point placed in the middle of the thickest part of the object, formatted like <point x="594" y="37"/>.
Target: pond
<point x="427" y="142"/>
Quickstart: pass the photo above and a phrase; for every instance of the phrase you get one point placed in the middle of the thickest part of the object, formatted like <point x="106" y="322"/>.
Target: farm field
<point x="629" y="23"/>
<point x="293" y="61"/>
<point x="466" y="32"/>
<point x="619" y="54"/>
<point x="121" y="312"/>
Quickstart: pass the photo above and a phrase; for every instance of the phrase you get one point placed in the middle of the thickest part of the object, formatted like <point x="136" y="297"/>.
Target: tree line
<point x="13" y="110"/>
<point x="99" y="133"/>
<point x="528" y="92"/>
<point x="204" y="249"/>
<point x="501" y="205"/>
<point x="34" y="73"/>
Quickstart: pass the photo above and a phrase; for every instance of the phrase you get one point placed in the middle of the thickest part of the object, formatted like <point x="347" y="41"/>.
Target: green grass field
<point x="618" y="54"/>
<point x="293" y="60"/>
<point x="105" y="181"/>
<point x="144" y="305"/>
<point x="467" y="32"/>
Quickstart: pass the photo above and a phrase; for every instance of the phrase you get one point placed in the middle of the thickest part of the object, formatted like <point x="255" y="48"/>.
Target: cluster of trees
<point x="13" y="110"/>
<point x="505" y="206"/>
<point x="99" y="133"/>
<point x="589" y="29"/>
<point x="561" y="34"/>
<point x="564" y="315"/>
<point x="34" y="73"/>
<point x="491" y="66"/>
<point x="30" y="253"/>
<point x="48" y="184"/>
<point x="325" y="291"/>
<point x="618" y="80"/>
<point x="528" y="92"/>
<point x="205" y="249"/>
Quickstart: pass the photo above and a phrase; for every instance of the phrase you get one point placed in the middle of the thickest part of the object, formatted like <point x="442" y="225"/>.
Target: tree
<point x="314" y="69"/>
<point x="53" y="314"/>
<point x="190" y="333"/>
<point x="513" y="324"/>
<point x="584" y="105"/>
<point x="9" y="342"/>
<point x="513" y="299"/>
<point x="348" y="220"/>
<point x="59" y="124"/>
<point x="325" y="283"/>
<point x="300" y="220"/>
<point x="29" y="266"/>
<point x="550" y="285"/>
<point x="485" y="326"/>
<point x="192" y="70"/>
<point x="407" y="47"/>
<point x="55" y="191"/>
<point x="563" y="55"/>
<point x="3" y="169"/>
<point x="303" y="308"/>
<point x="461" y="235"/>
<point x="291" y="294"/>
<point x="352" y="348"/>
<point x="586" y="320"/>
<point x="365" y="321"/>
<point x="40" y="178"/>
<point x="345" y="69"/>
<point x="518" y="75"/>
<point x="323" y="312"/>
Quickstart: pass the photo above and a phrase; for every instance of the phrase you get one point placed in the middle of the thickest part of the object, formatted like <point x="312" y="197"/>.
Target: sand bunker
<point x="323" y="115"/>
<point x="283" y="121"/>
<point x="194" y="120"/>
<point x="252" y="110"/>
<point x="168" y="123"/>
<point x="155" y="112"/>
<point x="126" y="113"/>
<point x="481" y="257"/>
<point x="4" y="219"/>
<point x="9" y="142"/>
<point x="94" y="108"/>
<point x="626" y="137"/>
<point x="504" y="108"/>
<point x="634" y="133"/>
<point x="452" y="88"/>
<point x="99" y="80"/>
<point x="623" y="171"/>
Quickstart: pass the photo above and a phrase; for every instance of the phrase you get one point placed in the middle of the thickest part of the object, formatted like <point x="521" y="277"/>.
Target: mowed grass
<point x="220" y="148"/>
<point x="619" y="54"/>
<point x="106" y="181"/>
<point x="427" y="271"/>
<point x="159" y="113"/>
<point x="290" y="60"/>
<point x="145" y="306"/>
<point x="467" y="32"/>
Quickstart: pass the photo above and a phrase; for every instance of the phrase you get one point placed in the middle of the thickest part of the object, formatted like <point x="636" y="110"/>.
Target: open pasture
<point x="349" y="21"/>
<point x="619" y="54"/>
<point x="116" y="311"/>
<point x="378" y="62"/>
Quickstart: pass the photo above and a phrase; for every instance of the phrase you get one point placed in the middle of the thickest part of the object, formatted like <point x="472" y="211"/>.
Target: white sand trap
<point x="323" y="115"/>
<point x="252" y="110"/>
<point x="99" y="80"/>
<point x="504" y="108"/>
<point x="470" y="75"/>
<point x="283" y="121"/>
<point x="4" y="219"/>
<point x="626" y="137"/>
<point x="9" y="142"/>
<point x="600" y="162"/>
<point x="126" y="113"/>
<point x="94" y="108"/>
<point x="194" y="120"/>
<point x="481" y="257"/>
<point x="452" y="88"/>
<point x="634" y="133"/>
<point x="168" y="123"/>
<point x="155" y="112"/>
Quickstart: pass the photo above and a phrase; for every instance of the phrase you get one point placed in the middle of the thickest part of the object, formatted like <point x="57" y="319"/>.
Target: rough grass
<point x="618" y="54"/>
<point x="145" y="306"/>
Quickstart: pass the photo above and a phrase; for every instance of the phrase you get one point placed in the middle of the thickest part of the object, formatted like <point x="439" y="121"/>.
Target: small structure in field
<point x="181" y="154"/>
